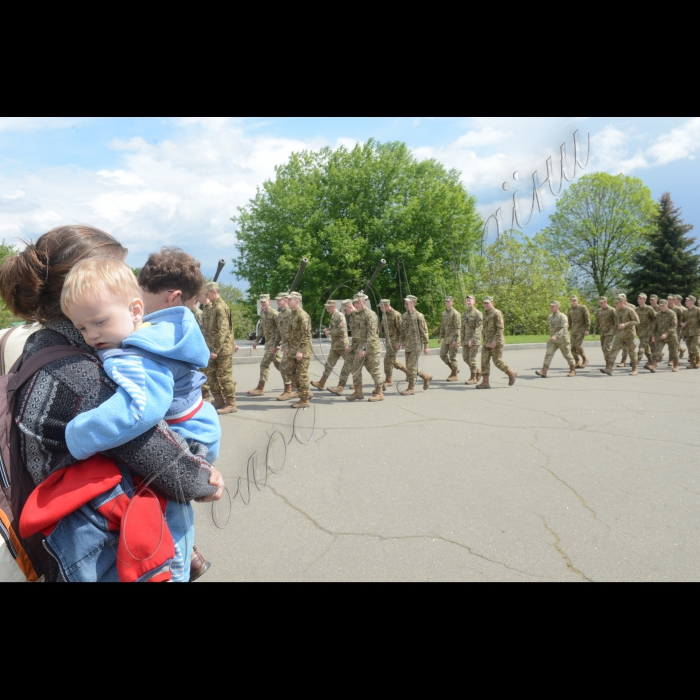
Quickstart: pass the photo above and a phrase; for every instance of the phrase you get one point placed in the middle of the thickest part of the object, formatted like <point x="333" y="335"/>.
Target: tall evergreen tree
<point x="668" y="265"/>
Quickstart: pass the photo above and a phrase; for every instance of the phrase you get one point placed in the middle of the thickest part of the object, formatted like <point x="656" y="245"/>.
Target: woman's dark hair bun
<point x="31" y="281"/>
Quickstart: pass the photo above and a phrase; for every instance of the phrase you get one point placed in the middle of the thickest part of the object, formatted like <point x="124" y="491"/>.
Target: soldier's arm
<point x="261" y="332"/>
<point x="424" y="332"/>
<point x="563" y="324"/>
<point x="458" y="328"/>
<point x="404" y="328"/>
<point x="219" y="328"/>
<point x="500" y="336"/>
<point x="588" y="321"/>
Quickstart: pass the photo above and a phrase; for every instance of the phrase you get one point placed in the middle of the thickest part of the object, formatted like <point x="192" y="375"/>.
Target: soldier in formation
<point x="580" y="324"/>
<point x="470" y="337"/>
<point x="350" y="350"/>
<point x="390" y="326"/>
<point x="219" y="336"/>
<point x="337" y="331"/>
<point x="559" y="340"/>
<point x="269" y="329"/>
<point x="691" y="329"/>
<point x="679" y="310"/>
<point x="645" y="329"/>
<point x="665" y="333"/>
<point x="299" y="349"/>
<point x="283" y="320"/>
<point x="414" y="340"/>
<point x="626" y="321"/>
<point x="494" y="341"/>
<point x="450" y="329"/>
<point x="200" y="313"/>
<point x="605" y="325"/>
<point x="368" y="349"/>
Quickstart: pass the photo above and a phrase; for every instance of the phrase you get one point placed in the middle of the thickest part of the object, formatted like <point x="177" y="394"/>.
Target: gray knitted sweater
<point x="73" y="385"/>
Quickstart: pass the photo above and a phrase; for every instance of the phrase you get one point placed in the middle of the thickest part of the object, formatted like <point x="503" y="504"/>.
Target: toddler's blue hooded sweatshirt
<point x="156" y="372"/>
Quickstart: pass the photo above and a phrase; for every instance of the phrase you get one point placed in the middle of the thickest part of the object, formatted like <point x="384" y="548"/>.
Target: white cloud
<point x="682" y="142"/>
<point x="37" y="123"/>
<point x="484" y="137"/>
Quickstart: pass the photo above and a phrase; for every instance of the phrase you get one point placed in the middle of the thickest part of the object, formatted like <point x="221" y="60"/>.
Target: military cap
<point x="470" y="296"/>
<point x="384" y="302"/>
<point x="264" y="297"/>
<point x="663" y="302"/>
<point x="282" y="295"/>
<point x="360" y="296"/>
<point x="620" y="297"/>
<point x="623" y="295"/>
<point x="573" y="299"/>
<point x="212" y="285"/>
<point x="692" y="298"/>
<point x="449" y="298"/>
<point x="412" y="299"/>
<point x="295" y="295"/>
<point x="642" y="296"/>
<point x="602" y="298"/>
<point x="555" y="303"/>
<point x="679" y="297"/>
<point x="346" y="303"/>
<point x="488" y="300"/>
<point x="330" y="303"/>
<point x="654" y="297"/>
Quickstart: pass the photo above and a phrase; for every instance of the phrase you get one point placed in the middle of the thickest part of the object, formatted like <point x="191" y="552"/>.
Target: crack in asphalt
<point x="562" y="553"/>
<point x="336" y="535"/>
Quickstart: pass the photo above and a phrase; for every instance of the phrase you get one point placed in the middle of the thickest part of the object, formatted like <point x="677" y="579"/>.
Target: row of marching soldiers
<point x="661" y="323"/>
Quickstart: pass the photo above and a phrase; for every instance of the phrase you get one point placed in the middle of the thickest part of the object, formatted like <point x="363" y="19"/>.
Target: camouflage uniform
<point x="680" y="310"/>
<point x="605" y="325"/>
<point x="269" y="329"/>
<point x="623" y="359"/>
<point x="300" y="341"/>
<point x="580" y="325"/>
<point x="645" y="331"/>
<point x="283" y="320"/>
<point x="219" y="337"/>
<point x="339" y="341"/>
<point x="204" y="315"/>
<point x="692" y="331"/>
<point x="414" y="337"/>
<point x="199" y="316"/>
<point x="559" y="329"/>
<point x="351" y="356"/>
<point x="625" y="338"/>
<point x="391" y="327"/>
<point x="666" y="324"/>
<point x="365" y="335"/>
<point x="449" y="332"/>
<point x="493" y="333"/>
<point x="472" y="324"/>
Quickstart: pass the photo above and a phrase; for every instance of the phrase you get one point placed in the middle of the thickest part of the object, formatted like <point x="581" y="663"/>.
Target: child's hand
<point x="215" y="480"/>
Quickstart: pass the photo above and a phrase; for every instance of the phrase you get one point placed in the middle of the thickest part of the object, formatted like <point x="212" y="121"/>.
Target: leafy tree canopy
<point x="601" y="224"/>
<point x="345" y="210"/>
<point x="668" y="265"/>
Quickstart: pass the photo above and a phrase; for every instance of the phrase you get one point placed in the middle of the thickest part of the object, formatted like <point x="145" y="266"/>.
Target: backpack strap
<point x="23" y="371"/>
<point x="3" y="344"/>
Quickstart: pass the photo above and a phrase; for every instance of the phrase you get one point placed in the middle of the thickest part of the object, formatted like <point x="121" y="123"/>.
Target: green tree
<point x="523" y="277"/>
<point x="667" y="265"/>
<point x="6" y="318"/>
<point x="601" y="224"/>
<point x="345" y="210"/>
<point x="243" y="313"/>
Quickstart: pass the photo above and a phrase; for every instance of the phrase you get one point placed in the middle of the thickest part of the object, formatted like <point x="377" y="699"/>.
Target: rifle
<point x="382" y="265"/>
<point x="218" y="270"/>
<point x="304" y="263"/>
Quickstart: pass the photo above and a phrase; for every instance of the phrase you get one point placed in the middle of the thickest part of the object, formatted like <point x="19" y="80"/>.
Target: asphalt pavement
<point x="579" y="479"/>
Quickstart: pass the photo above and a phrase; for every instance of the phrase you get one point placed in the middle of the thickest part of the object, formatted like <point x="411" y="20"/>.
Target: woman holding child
<point x="151" y="478"/>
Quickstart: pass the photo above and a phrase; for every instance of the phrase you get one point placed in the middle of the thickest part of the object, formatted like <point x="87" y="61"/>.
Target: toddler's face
<point x="105" y="325"/>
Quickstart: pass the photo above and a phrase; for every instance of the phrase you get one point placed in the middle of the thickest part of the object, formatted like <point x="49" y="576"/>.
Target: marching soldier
<point x="269" y="329"/>
<point x="350" y="350"/>
<point x="494" y="340"/>
<point x="559" y="340"/>
<point x="299" y="349"/>
<point x="605" y="325"/>
<point x="449" y="334"/>
<point x="580" y="324"/>
<point x="221" y="346"/>
<point x="391" y="327"/>
<point x="414" y="338"/>
<point x="200" y="313"/>
<point x="691" y="328"/>
<point x="680" y="310"/>
<point x="626" y="320"/>
<point x="645" y="329"/>
<point x="470" y="337"/>
<point x="623" y="360"/>
<point x="665" y="333"/>
<point x="365" y="338"/>
<point x="337" y="331"/>
<point x="284" y="318"/>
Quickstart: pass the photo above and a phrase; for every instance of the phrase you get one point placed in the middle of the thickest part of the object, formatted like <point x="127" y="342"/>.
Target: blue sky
<point x="178" y="180"/>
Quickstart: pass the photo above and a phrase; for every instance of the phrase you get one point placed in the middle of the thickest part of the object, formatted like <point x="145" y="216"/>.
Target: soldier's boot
<point x="338" y="390"/>
<point x="472" y="379"/>
<point x="585" y="362"/>
<point x="427" y="378"/>
<point x="219" y="401"/>
<point x="651" y="366"/>
<point x="389" y="380"/>
<point x="543" y="373"/>
<point x="378" y="394"/>
<point x="229" y="407"/>
<point x="410" y="391"/>
<point x="453" y="377"/>
<point x="357" y="395"/>
<point x="634" y="371"/>
<point x="478" y="376"/>
<point x="609" y="367"/>
<point x="693" y="362"/>
<point x="697" y="362"/>
<point x="676" y="366"/>
<point x="260" y="391"/>
<point x="302" y="403"/>
<point x="682" y="353"/>
<point x="286" y="394"/>
<point x="622" y="365"/>
<point x="512" y="376"/>
<point x="572" y="371"/>
<point x="295" y="393"/>
<point x="485" y="384"/>
<point x="320" y="385"/>
<point x="206" y="396"/>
